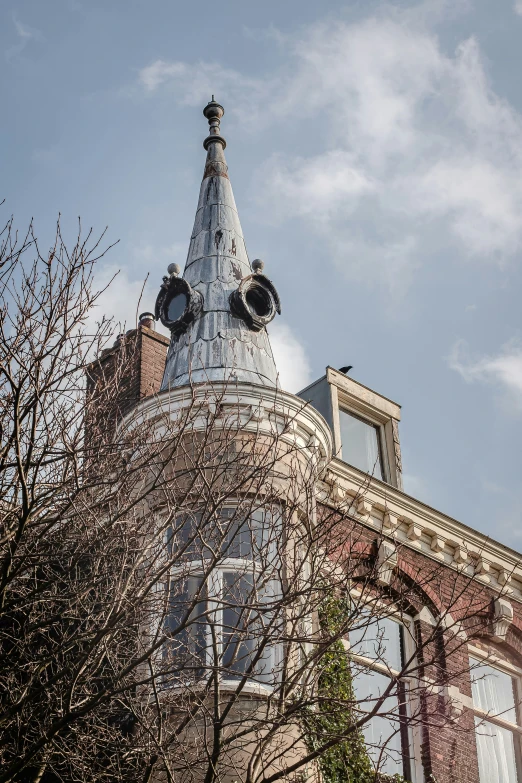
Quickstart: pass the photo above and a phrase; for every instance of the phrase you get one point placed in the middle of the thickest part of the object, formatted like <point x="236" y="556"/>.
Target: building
<point x="217" y="312"/>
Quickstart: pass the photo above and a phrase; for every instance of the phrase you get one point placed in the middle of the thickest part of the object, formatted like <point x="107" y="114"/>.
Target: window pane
<point x="382" y="733"/>
<point x="255" y="537"/>
<point x="186" y="625"/>
<point x="493" y="691"/>
<point x="496" y="753"/>
<point x="381" y="640"/>
<point x="247" y="613"/>
<point x="229" y="532"/>
<point x="360" y="444"/>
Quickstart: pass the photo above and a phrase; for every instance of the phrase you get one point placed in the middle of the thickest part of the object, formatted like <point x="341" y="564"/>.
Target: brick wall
<point x="132" y="369"/>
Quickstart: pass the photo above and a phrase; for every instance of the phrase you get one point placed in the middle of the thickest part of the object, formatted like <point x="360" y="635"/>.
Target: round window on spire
<point x="259" y="301"/>
<point x="177" y="305"/>
<point x="256" y="301"/>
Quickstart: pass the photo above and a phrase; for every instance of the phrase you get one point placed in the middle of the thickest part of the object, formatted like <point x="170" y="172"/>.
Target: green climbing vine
<point x="347" y="761"/>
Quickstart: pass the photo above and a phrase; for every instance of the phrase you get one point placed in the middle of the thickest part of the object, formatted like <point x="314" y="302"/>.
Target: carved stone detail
<point x="414" y="532"/>
<point x="387" y="559"/>
<point x="502" y="618"/>
<point x="390" y="522"/>
<point x="455" y="701"/>
<point x="364" y="507"/>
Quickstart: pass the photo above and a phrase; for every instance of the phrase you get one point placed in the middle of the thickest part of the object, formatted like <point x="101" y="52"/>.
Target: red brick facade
<point x="448" y="750"/>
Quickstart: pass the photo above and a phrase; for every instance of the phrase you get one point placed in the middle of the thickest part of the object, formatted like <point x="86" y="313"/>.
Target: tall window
<point x="497" y="723"/>
<point x="377" y="650"/>
<point x="360" y="444"/>
<point x="223" y="597"/>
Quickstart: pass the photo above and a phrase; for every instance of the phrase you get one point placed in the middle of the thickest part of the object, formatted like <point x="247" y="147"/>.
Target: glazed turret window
<point x="224" y="598"/>
<point x="360" y="444"/>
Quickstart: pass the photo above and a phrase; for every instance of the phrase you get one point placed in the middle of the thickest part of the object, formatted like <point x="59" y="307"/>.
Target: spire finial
<point x="213" y="111"/>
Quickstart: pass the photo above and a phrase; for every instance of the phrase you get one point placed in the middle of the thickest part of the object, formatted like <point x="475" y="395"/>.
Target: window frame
<point x="412" y="734"/>
<point x="515" y="673"/>
<point x="196" y="567"/>
<point x="370" y="415"/>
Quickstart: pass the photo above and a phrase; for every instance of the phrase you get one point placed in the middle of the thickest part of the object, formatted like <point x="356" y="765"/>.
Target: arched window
<point x="224" y="597"/>
<point x="379" y="649"/>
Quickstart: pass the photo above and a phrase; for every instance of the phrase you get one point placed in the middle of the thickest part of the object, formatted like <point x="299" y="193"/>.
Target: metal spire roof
<point x="214" y="340"/>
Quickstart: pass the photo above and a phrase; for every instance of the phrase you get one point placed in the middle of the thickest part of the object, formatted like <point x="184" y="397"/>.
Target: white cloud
<point x="119" y="301"/>
<point x="290" y="357"/>
<point x="315" y="187"/>
<point x="24" y="34"/>
<point x="194" y="83"/>
<point x="411" y="148"/>
<point x="517" y="7"/>
<point x="503" y="370"/>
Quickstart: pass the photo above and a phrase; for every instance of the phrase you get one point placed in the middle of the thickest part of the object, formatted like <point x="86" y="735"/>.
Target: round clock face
<point x="176" y="306"/>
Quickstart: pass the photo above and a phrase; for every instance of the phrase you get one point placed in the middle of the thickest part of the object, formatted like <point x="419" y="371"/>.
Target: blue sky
<point x="375" y="152"/>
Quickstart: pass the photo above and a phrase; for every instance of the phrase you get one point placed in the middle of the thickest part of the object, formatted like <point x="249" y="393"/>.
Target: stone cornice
<point x="250" y="408"/>
<point x="410" y="522"/>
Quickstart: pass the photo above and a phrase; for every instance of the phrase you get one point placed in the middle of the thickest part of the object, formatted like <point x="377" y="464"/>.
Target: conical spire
<point x="220" y="334"/>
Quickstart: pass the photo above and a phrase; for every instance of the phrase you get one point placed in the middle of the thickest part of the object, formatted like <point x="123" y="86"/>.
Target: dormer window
<point x="365" y="425"/>
<point x="360" y="444"/>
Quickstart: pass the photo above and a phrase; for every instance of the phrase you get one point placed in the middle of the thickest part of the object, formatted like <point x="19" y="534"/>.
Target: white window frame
<point x="412" y="700"/>
<point x="487" y="659"/>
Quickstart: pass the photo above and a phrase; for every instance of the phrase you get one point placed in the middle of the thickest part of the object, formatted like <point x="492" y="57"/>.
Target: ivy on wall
<point x="348" y="761"/>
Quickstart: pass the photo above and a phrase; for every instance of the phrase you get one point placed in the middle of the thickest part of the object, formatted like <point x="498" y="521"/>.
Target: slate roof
<point x="218" y="346"/>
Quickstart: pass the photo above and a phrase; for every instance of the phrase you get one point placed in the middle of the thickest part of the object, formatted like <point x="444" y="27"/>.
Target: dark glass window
<point x="224" y="622"/>
<point x="228" y="533"/>
<point x="177" y="306"/>
<point x="360" y="445"/>
<point x="246" y="615"/>
<point x="258" y="301"/>
<point x="186" y="626"/>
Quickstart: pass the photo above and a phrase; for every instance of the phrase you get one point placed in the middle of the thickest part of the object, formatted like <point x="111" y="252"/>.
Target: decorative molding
<point x="390" y="522"/>
<point x="460" y="555"/>
<point x="437" y="543"/>
<point x="504" y="577"/>
<point x="502" y="618"/>
<point x="387" y="559"/>
<point x="481" y="568"/>
<point x="257" y="412"/>
<point x="412" y="523"/>
<point x="453" y="627"/>
<point x="414" y="531"/>
<point x="364" y="507"/>
<point x="273" y="409"/>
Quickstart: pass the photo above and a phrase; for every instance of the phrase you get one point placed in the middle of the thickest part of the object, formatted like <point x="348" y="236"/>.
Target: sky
<point x="375" y="151"/>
